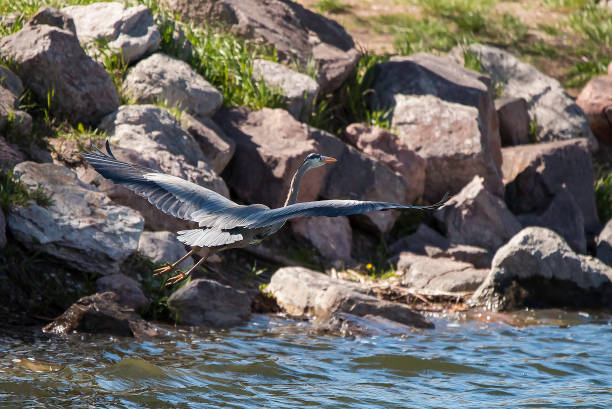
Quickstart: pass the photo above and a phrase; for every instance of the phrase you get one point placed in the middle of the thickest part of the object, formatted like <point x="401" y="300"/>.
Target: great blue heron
<point x="223" y="223"/>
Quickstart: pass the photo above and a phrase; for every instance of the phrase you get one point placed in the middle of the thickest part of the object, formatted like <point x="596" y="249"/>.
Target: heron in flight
<point x="224" y="224"/>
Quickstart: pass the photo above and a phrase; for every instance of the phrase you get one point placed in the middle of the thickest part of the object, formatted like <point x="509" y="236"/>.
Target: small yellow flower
<point x="369" y="266"/>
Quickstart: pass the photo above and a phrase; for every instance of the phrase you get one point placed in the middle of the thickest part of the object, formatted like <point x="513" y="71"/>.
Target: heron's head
<point x="314" y="160"/>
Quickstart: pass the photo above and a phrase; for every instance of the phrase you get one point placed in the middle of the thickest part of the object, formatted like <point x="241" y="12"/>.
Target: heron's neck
<point x="293" y="189"/>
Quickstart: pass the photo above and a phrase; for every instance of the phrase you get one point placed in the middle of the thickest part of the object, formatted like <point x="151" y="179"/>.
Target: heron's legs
<point x="180" y="276"/>
<point x="169" y="267"/>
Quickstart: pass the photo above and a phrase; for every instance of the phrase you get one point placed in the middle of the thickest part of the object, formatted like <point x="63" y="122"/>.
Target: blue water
<point x="565" y="361"/>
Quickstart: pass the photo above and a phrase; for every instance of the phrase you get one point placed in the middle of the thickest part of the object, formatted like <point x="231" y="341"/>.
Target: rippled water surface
<point x="272" y="362"/>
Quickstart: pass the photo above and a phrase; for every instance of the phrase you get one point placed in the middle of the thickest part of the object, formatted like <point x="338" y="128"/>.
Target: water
<point x="274" y="362"/>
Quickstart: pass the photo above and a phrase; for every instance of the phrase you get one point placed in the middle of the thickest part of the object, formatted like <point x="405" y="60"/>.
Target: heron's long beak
<point x="328" y="159"/>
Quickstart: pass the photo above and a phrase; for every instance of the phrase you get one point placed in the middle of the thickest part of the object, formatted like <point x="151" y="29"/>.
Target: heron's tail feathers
<point x="207" y="237"/>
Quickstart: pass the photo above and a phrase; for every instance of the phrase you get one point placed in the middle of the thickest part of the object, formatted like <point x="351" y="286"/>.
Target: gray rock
<point x="555" y="112"/>
<point x="393" y="152"/>
<point x="163" y="247"/>
<point x="305" y="293"/>
<point x="448" y="136"/>
<point x="604" y="244"/>
<point x="160" y="78"/>
<point x="217" y="148"/>
<point x="476" y="217"/>
<point x="130" y="31"/>
<point x="10" y="155"/>
<point x="270" y="146"/>
<point x="51" y="16"/>
<point x="9" y="20"/>
<point x="438" y="274"/>
<point x="513" y="120"/>
<point x="127" y="289"/>
<point x="564" y="217"/>
<point x="207" y="302"/>
<point x="2" y="229"/>
<point x="298" y="89"/>
<point x="596" y="101"/>
<point x="444" y="112"/>
<point x="428" y="242"/>
<point x="331" y="236"/>
<point x="538" y="269"/>
<point x="52" y="64"/>
<point x="13" y="121"/>
<point x="101" y="314"/>
<point x="534" y="174"/>
<point x="149" y="136"/>
<point x="297" y="34"/>
<point x="83" y="227"/>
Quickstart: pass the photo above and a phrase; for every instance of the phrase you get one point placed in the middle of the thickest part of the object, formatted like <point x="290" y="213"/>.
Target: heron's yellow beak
<point x="328" y="159"/>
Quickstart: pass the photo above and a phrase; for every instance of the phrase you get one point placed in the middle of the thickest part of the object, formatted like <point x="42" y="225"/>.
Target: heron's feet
<point x="177" y="278"/>
<point x="162" y="270"/>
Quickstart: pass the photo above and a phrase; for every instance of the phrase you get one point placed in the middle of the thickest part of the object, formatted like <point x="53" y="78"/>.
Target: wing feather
<point x="172" y="195"/>
<point x="207" y="237"/>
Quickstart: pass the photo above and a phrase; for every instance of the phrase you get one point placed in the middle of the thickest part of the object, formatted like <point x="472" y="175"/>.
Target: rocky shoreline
<point x="521" y="229"/>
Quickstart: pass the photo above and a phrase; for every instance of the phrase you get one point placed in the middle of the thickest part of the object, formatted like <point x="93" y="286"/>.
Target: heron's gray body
<point x="223" y="223"/>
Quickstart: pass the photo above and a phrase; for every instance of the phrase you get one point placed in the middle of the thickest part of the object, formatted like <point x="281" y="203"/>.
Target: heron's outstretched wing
<point x="170" y="194"/>
<point x="328" y="208"/>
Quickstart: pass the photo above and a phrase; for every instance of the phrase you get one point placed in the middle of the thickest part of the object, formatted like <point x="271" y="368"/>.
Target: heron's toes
<point x="162" y="270"/>
<point x="176" y="279"/>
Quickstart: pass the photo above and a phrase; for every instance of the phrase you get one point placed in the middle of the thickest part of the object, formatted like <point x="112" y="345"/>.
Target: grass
<point x="603" y="195"/>
<point x="348" y="104"/>
<point x="332" y="6"/>
<point x="15" y="193"/>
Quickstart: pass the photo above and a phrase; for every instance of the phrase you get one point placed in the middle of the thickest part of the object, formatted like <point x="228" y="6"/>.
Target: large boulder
<point x="393" y="152"/>
<point x="217" y="148"/>
<point x="271" y="145"/>
<point x="299" y="90"/>
<point x="427" y="242"/>
<point x="130" y="31"/>
<point x="331" y="236"/>
<point x="534" y="174"/>
<point x="446" y="114"/>
<point x="604" y="244"/>
<point x="556" y="114"/>
<point x="564" y="217"/>
<point x="127" y="289"/>
<point x="513" y="120"/>
<point x="438" y="274"/>
<point x="297" y="34"/>
<point x="476" y="217"/>
<point x="82" y="227"/>
<point x="207" y="302"/>
<point x="149" y="136"/>
<point x="162" y="247"/>
<point x="101" y="314"/>
<point x="12" y="119"/>
<point x="160" y="78"/>
<point x="51" y="63"/>
<point x="306" y="293"/>
<point x="538" y="269"/>
<point x="596" y="101"/>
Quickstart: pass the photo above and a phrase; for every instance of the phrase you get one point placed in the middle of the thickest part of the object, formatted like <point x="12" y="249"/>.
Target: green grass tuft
<point x="15" y="193"/>
<point x="332" y="6"/>
<point x="603" y="196"/>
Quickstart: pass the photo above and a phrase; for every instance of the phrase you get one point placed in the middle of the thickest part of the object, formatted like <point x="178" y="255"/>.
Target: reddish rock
<point x="513" y="121"/>
<point x="596" y="101"/>
<point x="331" y="236"/>
<point x="271" y="145"/>
<point x="101" y="314"/>
<point x="390" y="150"/>
<point x="298" y="34"/>
<point x="217" y="148"/>
<point x="476" y="217"/>
<point x="534" y="174"/>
